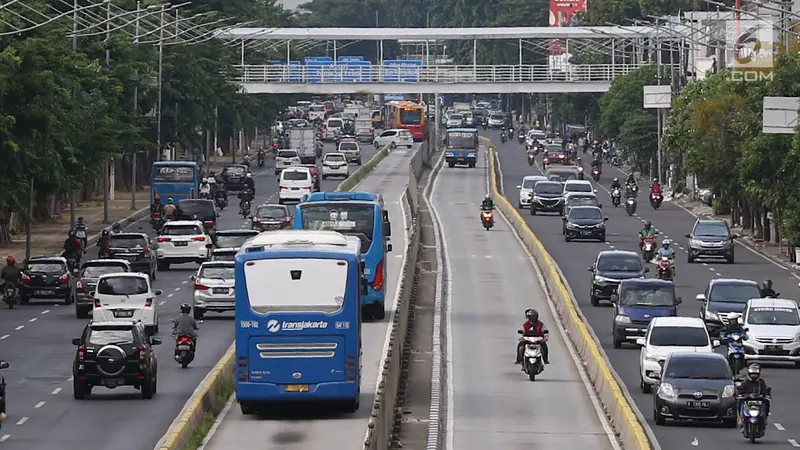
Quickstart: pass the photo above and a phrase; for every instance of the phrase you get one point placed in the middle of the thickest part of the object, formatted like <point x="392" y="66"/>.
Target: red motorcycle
<point x="665" y="269"/>
<point x="262" y="155"/>
<point x="655" y="199"/>
<point x="596" y="174"/>
<point x="648" y="248"/>
<point x="184" y="350"/>
<point x="487" y="219"/>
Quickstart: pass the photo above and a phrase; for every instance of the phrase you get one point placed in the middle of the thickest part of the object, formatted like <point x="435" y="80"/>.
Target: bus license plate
<point x="697" y="404"/>
<point x="296" y="388"/>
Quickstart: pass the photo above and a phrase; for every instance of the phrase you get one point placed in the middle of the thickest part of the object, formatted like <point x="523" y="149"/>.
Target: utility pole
<point x="72" y="201"/>
<point x="105" y="163"/>
<point x="160" y="75"/>
<point x="135" y="111"/>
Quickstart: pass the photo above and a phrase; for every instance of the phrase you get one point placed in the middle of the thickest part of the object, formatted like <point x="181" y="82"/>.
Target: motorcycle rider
<point x="767" y="291"/>
<point x="753" y="384"/>
<point x="533" y="327"/>
<point x="615" y="184"/>
<point x="11" y="272"/>
<point x="631" y="180"/>
<point x="655" y="188"/>
<point x="249" y="183"/>
<point x="156" y="206"/>
<point x="665" y="250"/>
<point x="116" y="228"/>
<point x="185" y="325"/>
<point x="734" y="326"/>
<point x="245" y="196"/>
<point x="102" y="243"/>
<point x="205" y="188"/>
<point x="170" y="210"/>
<point x="80" y="231"/>
<point x="645" y="232"/>
<point x="73" y="246"/>
<point x="487" y="204"/>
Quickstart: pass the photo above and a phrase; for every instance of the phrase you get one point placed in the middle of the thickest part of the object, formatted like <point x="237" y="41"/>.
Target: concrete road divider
<point x="362" y="172"/>
<point x="617" y="406"/>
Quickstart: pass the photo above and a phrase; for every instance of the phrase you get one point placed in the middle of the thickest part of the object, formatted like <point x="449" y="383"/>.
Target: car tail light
<point x="97" y="303"/>
<point x="64" y="279"/>
<point x="164" y="239"/>
<point x="79" y="286"/>
<point x="198" y="285"/>
<point x="284" y="188"/>
<point x="286" y="221"/>
<point x="377" y="283"/>
<point x="149" y="302"/>
<point x="210" y="223"/>
<point x="81" y="352"/>
<point x="142" y="352"/>
<point x="147" y="251"/>
<point x="156" y="214"/>
<point x="199" y="238"/>
<point x="26" y="278"/>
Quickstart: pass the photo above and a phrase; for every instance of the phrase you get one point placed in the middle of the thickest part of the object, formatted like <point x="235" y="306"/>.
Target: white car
<point x="335" y="165"/>
<point x="214" y="288"/>
<point x="126" y="296"/>
<point x="584" y="186"/>
<point x="667" y="335"/>
<point x="351" y="151"/>
<point x="394" y="138"/>
<point x="526" y="189"/>
<point x="455" y="121"/>
<point x="316" y="112"/>
<point x="496" y="120"/>
<point x="182" y="241"/>
<point x="285" y="159"/>
<point x="332" y="126"/>
<point x="773" y="330"/>
<point x="295" y="183"/>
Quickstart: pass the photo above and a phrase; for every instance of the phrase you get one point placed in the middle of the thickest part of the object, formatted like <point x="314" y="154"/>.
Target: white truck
<point x="461" y="107"/>
<point x="304" y="140"/>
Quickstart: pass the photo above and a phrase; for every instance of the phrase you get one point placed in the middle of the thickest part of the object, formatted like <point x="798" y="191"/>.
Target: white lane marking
<point x="162" y="302"/>
<point x="177" y="289"/>
<point x="45" y="311"/>
<point x="705" y="264"/>
<point x="185" y="282"/>
<point x="33" y="319"/>
<point x="70" y="378"/>
<point x="779" y="427"/>
<point x="21" y="421"/>
<point x="4" y="337"/>
<point x="40" y="404"/>
<point x="170" y="295"/>
<point x="5" y="437"/>
<point x="55" y="391"/>
<point x="791" y="441"/>
<point x="19" y="328"/>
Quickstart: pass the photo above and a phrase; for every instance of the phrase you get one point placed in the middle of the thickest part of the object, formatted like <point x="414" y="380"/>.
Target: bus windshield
<point x="346" y="218"/>
<point x="410" y="116"/>
<point x="460" y="140"/>
<point x="173" y="173"/>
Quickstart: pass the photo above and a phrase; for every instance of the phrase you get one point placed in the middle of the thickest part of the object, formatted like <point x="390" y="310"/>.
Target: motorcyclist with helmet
<point x="615" y="184"/>
<point x="102" y="244"/>
<point x="753" y="384"/>
<point x="170" y="210"/>
<point x="487" y="203"/>
<point x="631" y="180"/>
<point x="81" y="232"/>
<point x="116" y="228"/>
<point x="11" y="272"/>
<point x="647" y="231"/>
<point x="767" y="291"/>
<point x="205" y="188"/>
<point x="185" y="325"/>
<point x="156" y="206"/>
<point x="249" y="183"/>
<point x="533" y="327"/>
<point x="734" y="325"/>
<point x="665" y="250"/>
<point x="73" y="247"/>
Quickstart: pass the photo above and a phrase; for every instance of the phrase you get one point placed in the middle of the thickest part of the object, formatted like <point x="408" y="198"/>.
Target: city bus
<point x="461" y="146"/>
<point x="177" y="180"/>
<point x="407" y="115"/>
<point x="298" y="319"/>
<point x="359" y="214"/>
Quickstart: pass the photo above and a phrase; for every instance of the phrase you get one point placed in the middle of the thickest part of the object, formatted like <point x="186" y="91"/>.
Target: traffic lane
<point x="318" y="428"/>
<point x="492" y="284"/>
<point x="623" y="235"/>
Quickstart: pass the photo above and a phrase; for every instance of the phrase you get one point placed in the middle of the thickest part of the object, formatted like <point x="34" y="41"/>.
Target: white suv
<point x="583" y="186"/>
<point x="295" y="184"/>
<point x="182" y="241"/>
<point x="285" y="159"/>
<point x="773" y="330"/>
<point x="335" y="165"/>
<point x="667" y="335"/>
<point x="394" y="138"/>
<point x="351" y="151"/>
<point x="126" y="296"/>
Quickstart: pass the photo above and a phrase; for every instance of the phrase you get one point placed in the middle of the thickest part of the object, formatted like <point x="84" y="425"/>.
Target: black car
<point x="46" y="278"/>
<point x="233" y="176"/>
<point x="548" y="196"/>
<point x="137" y="249"/>
<point x="86" y="282"/>
<point x="232" y="239"/>
<point x="585" y="222"/>
<point x="711" y="238"/>
<point x="724" y="296"/>
<point x="198" y="209"/>
<point x="114" y="354"/>
<point x="609" y="269"/>
<point x="271" y="217"/>
<point x="224" y="254"/>
<point x="695" y="386"/>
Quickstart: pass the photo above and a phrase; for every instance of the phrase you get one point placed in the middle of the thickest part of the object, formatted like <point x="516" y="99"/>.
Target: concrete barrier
<point x="362" y="172"/>
<point x="609" y="389"/>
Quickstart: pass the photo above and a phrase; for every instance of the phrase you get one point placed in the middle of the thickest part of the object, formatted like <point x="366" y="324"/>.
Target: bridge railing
<point x="429" y="74"/>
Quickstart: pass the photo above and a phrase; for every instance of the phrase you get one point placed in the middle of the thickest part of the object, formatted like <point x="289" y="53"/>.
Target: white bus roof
<point x="316" y="238"/>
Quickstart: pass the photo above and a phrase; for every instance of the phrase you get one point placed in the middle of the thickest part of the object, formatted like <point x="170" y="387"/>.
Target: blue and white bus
<point x="359" y="214"/>
<point x="461" y="146"/>
<point x="298" y="319"/>
<point x="178" y="180"/>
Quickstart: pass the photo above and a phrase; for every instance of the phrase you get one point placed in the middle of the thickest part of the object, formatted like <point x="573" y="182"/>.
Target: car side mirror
<point x="700" y="297"/>
<point x="640" y="342"/>
<point x="688" y="235"/>
<point x="520" y="332"/>
<point x="193" y="277"/>
<point x="92" y="293"/>
<point x="76" y="341"/>
<point x="388" y="247"/>
<point x="250" y="216"/>
<point x="4" y="365"/>
<point x="614" y="298"/>
<point x="746" y="330"/>
<point x="156" y="341"/>
<point x="679" y="300"/>
<point x="564" y="219"/>
<point x="519" y="186"/>
<point x="590" y="269"/>
<point x="159" y="292"/>
<point x="605" y="219"/>
<point x="734" y="236"/>
<point x="716" y="343"/>
<point x="646" y="270"/>
<point x="600" y="205"/>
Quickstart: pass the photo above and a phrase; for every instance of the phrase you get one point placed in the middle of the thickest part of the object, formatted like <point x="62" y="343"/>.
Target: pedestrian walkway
<point x="48" y="237"/>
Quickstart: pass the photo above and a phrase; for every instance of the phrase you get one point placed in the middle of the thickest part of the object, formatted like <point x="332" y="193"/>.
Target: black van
<point x="198" y="209"/>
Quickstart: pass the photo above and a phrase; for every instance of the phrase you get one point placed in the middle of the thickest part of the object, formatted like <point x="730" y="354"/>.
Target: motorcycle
<point x="735" y="356"/>
<point x="503" y="138"/>
<point x="531" y="158"/>
<point x="596" y="174"/>
<point x="487" y="219"/>
<point x="80" y="233"/>
<point x="656" y="199"/>
<point x="521" y="138"/>
<point x="221" y="201"/>
<point x="580" y="173"/>
<point x="10" y="295"/>
<point x="532" y="363"/>
<point x="205" y="195"/>
<point x="184" y="350"/>
<point x="545" y="162"/>
<point x="630" y="206"/>
<point x="157" y="221"/>
<point x="665" y="271"/>
<point x="615" y="197"/>
<point x="245" y="209"/>
<point x="754" y="426"/>
<point x="261" y="157"/>
<point x="648" y="248"/>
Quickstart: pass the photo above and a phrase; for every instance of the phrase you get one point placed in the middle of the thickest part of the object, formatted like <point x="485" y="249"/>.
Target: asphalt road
<point x="674" y="222"/>
<point x="36" y="340"/>
<point x="316" y="428"/>
<point x="492" y="282"/>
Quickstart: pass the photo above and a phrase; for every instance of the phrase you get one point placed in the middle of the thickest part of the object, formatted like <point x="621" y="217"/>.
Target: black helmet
<point x="532" y="315"/>
<point x="185" y="308"/>
<point x="116" y="226"/>
<point x="768" y="284"/>
<point x="105" y="232"/>
<point x="647" y="225"/>
<point x="80" y="219"/>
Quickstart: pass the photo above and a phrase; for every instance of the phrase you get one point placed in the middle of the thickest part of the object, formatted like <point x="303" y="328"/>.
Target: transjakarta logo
<point x="274" y="326"/>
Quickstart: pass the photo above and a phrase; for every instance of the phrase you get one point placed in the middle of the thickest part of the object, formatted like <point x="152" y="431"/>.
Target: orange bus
<point x="407" y="115"/>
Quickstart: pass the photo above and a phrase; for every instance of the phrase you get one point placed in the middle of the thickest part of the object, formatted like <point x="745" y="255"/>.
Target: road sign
<point x="656" y="97"/>
<point x="780" y="115"/>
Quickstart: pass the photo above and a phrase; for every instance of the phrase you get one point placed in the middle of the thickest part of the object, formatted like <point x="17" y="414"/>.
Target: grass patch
<point x="210" y="416"/>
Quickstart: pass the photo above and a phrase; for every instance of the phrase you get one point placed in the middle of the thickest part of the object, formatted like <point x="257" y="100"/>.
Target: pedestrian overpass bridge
<point x="627" y="48"/>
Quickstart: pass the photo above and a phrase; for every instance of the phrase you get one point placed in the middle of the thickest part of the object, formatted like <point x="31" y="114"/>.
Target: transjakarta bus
<point x="298" y="319"/>
<point x="461" y="146"/>
<point x="177" y="180"/>
<point x="407" y="115"/>
<point x="355" y="214"/>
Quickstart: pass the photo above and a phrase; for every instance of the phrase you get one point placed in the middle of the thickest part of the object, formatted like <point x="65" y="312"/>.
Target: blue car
<point x="636" y="302"/>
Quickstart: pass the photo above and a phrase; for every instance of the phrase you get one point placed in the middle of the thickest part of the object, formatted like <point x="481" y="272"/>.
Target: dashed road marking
<point x="33" y="319"/>
<point x="779" y="427"/>
<point x="184" y="282"/>
<point x="4" y="437"/>
<point x="791" y="441"/>
<point x="22" y="420"/>
<point x="4" y="337"/>
<point x="39" y="405"/>
<point x="19" y="328"/>
<point x="170" y="295"/>
<point x="162" y="302"/>
<point x="56" y="391"/>
<point x="45" y="311"/>
<point x="177" y="289"/>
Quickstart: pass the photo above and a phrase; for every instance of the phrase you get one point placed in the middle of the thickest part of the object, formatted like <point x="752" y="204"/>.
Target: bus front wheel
<point x="247" y="408"/>
<point x="377" y="311"/>
<point x="351" y="406"/>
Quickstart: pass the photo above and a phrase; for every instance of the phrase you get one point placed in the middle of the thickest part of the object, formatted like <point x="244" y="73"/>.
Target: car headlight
<point x="666" y="390"/>
<point x="599" y="279"/>
<point x="570" y="226"/>
<point x="712" y="315"/>
<point x="622" y="319"/>
<point x="694" y="243"/>
<point x="471" y="154"/>
<point x="448" y="153"/>
<point x="728" y="391"/>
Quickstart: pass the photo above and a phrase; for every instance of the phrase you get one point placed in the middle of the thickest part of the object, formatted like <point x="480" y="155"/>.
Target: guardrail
<point x="429" y="74"/>
<point x="610" y="392"/>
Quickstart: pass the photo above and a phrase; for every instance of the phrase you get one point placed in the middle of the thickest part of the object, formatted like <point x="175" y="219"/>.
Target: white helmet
<point x="734" y="316"/>
<point x="665" y="242"/>
<point x="205" y="180"/>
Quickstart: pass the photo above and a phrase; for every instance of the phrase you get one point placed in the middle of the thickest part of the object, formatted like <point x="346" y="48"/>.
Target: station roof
<point x="430" y="34"/>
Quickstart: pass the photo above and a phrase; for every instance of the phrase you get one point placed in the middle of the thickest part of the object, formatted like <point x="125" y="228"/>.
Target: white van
<point x="126" y="296"/>
<point x="295" y="183"/>
<point x="332" y="126"/>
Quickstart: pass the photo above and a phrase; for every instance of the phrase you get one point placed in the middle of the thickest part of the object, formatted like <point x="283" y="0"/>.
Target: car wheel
<point x="81" y="313"/>
<point x="148" y="388"/>
<point x="324" y="177"/>
<point x="594" y="300"/>
<point x="533" y="210"/>
<point x="658" y="418"/>
<point x="198" y="314"/>
<point x="393" y="145"/>
<point x="351" y="406"/>
<point x="602" y="237"/>
<point x="567" y="238"/>
<point x="68" y="299"/>
<point x="729" y="260"/>
<point x="153" y="274"/>
<point x="79" y="389"/>
<point x="377" y="146"/>
<point x="247" y="408"/>
<point x="617" y="342"/>
<point x="410" y="146"/>
<point x="163" y="265"/>
<point x="646" y="388"/>
<point x="155" y="327"/>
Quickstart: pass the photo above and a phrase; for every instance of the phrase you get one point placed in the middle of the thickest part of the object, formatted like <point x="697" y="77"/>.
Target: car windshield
<point x="295" y="175"/>
<point x="97" y="271"/>
<point x="223" y="256"/>
<point x="46" y="267"/>
<point x="335" y="124"/>
<point x="223" y="272"/>
<point x="554" y="148"/>
<point x="578" y="187"/>
<point x="585" y="214"/>
<point x="287" y="154"/>
<point x="348" y="146"/>
<point x="548" y="188"/>
<point x="334" y="158"/>
<point x="127" y="242"/>
<point x="711" y="229"/>
<point x="181" y="230"/>
<point x="773" y="315"/>
<point x="563" y="176"/>
<point x="122" y="286"/>
<point x="529" y="183"/>
<point x="733" y="293"/>
<point x="108" y="336"/>
<point x="697" y="368"/>
<point x="271" y="212"/>
<point x="456" y="117"/>
<point x="619" y="263"/>
<point x="648" y="296"/>
<point x="234" y="170"/>
<point x="351" y="219"/>
<point x="582" y="201"/>
<point x="678" y="337"/>
<point x="496" y="117"/>
<point x="196" y="210"/>
<point x="232" y="240"/>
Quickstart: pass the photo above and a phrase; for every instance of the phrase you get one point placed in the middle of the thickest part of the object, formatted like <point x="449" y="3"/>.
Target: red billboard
<point x="562" y="12"/>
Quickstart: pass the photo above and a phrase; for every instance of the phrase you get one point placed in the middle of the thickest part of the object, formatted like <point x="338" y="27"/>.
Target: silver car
<point x="285" y="159"/>
<point x="773" y="330"/>
<point x="526" y="190"/>
<point x="224" y="254"/>
<point x="351" y="151"/>
<point x="214" y="288"/>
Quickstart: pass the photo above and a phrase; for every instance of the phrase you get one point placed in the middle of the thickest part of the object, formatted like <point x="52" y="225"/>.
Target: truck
<point x="461" y="107"/>
<point x="304" y="140"/>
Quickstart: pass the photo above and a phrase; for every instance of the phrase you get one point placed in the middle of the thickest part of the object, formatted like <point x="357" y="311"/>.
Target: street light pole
<point x="72" y="201"/>
<point x="160" y="74"/>
<point x="105" y="163"/>
<point x="135" y="110"/>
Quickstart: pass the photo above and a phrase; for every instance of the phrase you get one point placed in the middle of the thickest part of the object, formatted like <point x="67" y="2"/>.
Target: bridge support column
<point x="334" y="52"/>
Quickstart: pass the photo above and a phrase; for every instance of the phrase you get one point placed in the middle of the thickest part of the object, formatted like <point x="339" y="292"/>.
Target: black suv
<point x="86" y="282"/>
<point x="548" y="196"/>
<point x="113" y="354"/>
<point x="609" y="269"/>
<point x="233" y="176"/>
<point x="137" y="249"/>
<point x="585" y="222"/>
<point x="47" y="278"/>
<point x="711" y="238"/>
<point x="271" y="217"/>
<point x="198" y="209"/>
<point x="724" y="296"/>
